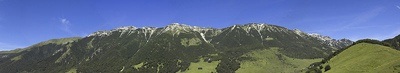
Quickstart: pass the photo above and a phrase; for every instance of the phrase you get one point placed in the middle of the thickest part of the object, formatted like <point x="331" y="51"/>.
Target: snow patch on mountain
<point x="203" y="37"/>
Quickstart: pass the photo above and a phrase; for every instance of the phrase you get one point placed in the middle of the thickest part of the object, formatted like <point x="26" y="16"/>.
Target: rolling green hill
<point x="363" y="58"/>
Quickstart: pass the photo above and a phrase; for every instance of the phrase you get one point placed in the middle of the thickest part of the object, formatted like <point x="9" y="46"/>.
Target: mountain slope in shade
<point x="174" y="48"/>
<point x="394" y="42"/>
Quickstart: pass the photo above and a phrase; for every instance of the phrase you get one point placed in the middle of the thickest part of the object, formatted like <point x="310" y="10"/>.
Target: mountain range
<point x="175" y="48"/>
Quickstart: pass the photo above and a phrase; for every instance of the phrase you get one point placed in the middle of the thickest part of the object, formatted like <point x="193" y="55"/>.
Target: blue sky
<point x="26" y="22"/>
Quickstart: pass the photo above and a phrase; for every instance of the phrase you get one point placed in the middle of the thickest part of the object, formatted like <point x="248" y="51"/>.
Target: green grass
<point x="206" y="67"/>
<point x="138" y="65"/>
<point x="271" y="61"/>
<point x="58" y="41"/>
<point x="366" y="58"/>
<point x="190" y="42"/>
<point x="268" y="39"/>
<point x="18" y="50"/>
<point x="63" y="56"/>
<point x="17" y="58"/>
<point x="72" y="70"/>
<point x="53" y="41"/>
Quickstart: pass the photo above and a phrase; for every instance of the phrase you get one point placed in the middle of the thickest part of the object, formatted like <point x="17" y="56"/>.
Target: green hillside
<point x="365" y="57"/>
<point x="51" y="41"/>
<point x="271" y="61"/>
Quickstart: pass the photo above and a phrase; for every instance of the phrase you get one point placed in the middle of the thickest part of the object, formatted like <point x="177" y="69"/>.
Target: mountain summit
<point x="178" y="48"/>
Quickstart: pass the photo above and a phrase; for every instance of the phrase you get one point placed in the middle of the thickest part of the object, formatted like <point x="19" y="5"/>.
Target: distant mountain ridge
<point x="341" y="43"/>
<point x="247" y="27"/>
<point x="394" y="42"/>
<point x="176" y="48"/>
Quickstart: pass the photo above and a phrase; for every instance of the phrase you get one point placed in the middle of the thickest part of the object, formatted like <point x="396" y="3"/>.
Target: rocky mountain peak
<point x="257" y="26"/>
<point x="178" y="27"/>
<point x="175" y="26"/>
<point x="331" y="42"/>
<point x="127" y="28"/>
<point x="149" y="28"/>
<point x="100" y="33"/>
<point x="299" y="32"/>
<point x="108" y="32"/>
<point x="320" y="37"/>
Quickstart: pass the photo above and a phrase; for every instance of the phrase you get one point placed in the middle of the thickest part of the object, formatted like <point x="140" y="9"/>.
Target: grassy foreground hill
<point x="364" y="58"/>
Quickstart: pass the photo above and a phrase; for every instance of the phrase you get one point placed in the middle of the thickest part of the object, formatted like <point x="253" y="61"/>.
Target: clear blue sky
<point x="26" y="22"/>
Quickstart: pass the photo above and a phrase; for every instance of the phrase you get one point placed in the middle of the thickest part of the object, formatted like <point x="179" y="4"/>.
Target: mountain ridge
<point x="247" y="27"/>
<point x="174" y="48"/>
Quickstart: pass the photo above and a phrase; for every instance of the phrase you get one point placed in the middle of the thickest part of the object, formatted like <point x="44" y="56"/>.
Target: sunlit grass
<point x="271" y="61"/>
<point x="17" y="58"/>
<point x="138" y="65"/>
<point x="205" y="67"/>
<point x="72" y="70"/>
<point x="366" y="57"/>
